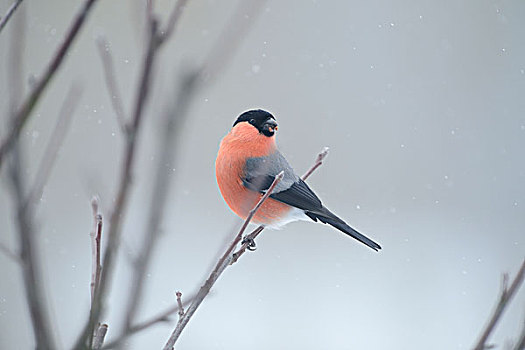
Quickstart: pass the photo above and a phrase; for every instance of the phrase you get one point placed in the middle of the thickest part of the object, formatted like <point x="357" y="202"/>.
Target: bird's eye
<point x="252" y="121"/>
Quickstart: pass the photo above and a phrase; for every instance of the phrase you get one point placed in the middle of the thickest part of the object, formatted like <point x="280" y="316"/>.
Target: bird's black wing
<point x="299" y="195"/>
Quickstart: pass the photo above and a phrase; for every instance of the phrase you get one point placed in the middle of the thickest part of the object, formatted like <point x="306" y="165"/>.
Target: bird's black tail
<point x="326" y="216"/>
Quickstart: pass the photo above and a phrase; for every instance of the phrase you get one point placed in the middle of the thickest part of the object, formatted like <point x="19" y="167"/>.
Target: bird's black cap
<point x="262" y="120"/>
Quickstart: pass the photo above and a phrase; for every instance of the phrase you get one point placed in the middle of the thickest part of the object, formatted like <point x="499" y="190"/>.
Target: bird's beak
<point x="270" y="125"/>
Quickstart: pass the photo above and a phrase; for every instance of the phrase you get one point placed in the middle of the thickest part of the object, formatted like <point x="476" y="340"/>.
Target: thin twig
<point x="123" y="191"/>
<point x="98" y="239"/>
<point x="318" y="162"/>
<point x="23" y="113"/>
<point x="179" y="303"/>
<point x="248" y="241"/>
<point x="100" y="335"/>
<point x="111" y="81"/>
<point x="506" y="295"/>
<point x="96" y="236"/>
<point x="55" y="142"/>
<point x="9" y="13"/>
<point x="222" y="264"/>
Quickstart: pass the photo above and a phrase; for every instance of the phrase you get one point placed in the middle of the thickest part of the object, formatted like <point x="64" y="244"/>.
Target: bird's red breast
<point x="243" y="142"/>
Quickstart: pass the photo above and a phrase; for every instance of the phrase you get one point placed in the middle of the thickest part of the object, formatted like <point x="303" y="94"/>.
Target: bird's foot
<point x="250" y="243"/>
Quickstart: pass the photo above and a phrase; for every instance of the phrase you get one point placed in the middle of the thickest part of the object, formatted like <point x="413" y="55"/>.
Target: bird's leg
<point x="248" y="242"/>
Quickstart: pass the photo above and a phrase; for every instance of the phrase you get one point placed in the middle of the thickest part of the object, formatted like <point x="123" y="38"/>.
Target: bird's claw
<point x="250" y="243"/>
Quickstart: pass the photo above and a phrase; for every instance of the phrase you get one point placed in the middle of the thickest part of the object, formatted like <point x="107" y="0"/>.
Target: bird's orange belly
<point x="241" y="200"/>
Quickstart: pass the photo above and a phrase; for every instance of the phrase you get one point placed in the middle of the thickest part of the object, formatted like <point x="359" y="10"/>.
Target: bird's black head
<point x="261" y="120"/>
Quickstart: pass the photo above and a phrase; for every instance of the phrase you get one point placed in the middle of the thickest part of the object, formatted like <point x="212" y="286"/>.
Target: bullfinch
<point x="247" y="163"/>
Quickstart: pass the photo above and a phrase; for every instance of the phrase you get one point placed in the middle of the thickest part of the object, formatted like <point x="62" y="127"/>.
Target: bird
<point x="247" y="163"/>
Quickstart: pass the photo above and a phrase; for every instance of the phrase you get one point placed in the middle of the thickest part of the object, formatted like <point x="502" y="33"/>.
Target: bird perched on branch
<point x="246" y="165"/>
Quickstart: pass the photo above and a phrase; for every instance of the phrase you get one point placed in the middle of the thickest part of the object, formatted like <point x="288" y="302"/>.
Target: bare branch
<point x="179" y="303"/>
<point x="100" y="335"/>
<point x="222" y="264"/>
<point x="23" y="113"/>
<point x="318" y="162"/>
<point x="96" y="236"/>
<point x="55" y="142"/>
<point x="9" y="13"/>
<point x="506" y="295"/>
<point x="111" y="81"/>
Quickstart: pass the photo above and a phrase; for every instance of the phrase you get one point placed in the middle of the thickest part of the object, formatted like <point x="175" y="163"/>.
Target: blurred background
<point x="422" y="105"/>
